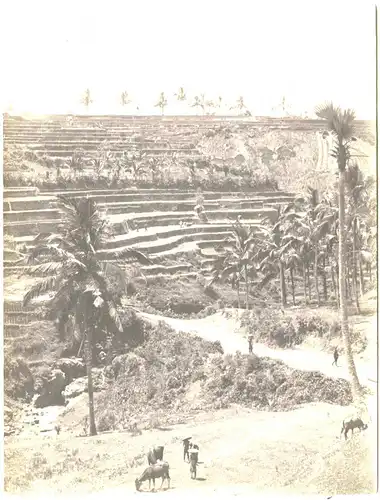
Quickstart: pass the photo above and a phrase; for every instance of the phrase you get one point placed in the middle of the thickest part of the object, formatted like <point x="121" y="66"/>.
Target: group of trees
<point x="200" y="102"/>
<point x="298" y="247"/>
<point x="308" y="237"/>
<point x="133" y="163"/>
<point x="317" y="243"/>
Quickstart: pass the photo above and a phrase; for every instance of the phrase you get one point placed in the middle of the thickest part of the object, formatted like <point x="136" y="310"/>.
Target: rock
<point x="79" y="386"/>
<point x="49" y="389"/>
<point x="72" y="368"/>
<point x="76" y="388"/>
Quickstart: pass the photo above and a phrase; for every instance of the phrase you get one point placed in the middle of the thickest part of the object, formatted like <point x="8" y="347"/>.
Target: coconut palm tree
<point x="218" y="105"/>
<point x="241" y="107"/>
<point x="200" y="102"/>
<point x="124" y="99"/>
<point x="238" y="258"/>
<point x="275" y="244"/>
<point x="86" y="99"/>
<point x="79" y="283"/>
<point x="162" y="103"/>
<point x="180" y="95"/>
<point x="340" y="124"/>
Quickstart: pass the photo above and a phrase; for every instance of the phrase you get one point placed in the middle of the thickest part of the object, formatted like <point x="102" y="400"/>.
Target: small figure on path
<point x="193" y="451"/>
<point x="336" y="356"/>
<point x="250" y="340"/>
<point x="186" y="446"/>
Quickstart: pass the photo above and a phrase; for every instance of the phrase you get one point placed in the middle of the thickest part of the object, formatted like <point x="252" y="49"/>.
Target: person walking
<point x="193" y="451"/>
<point x="336" y="356"/>
<point x="186" y="446"/>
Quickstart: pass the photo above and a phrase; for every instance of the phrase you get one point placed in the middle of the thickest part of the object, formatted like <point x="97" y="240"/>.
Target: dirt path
<point x="232" y="338"/>
<point x="243" y="451"/>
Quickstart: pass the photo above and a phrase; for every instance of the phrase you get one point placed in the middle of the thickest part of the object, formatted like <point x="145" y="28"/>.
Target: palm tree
<point x="86" y="99"/>
<point x="124" y="99"/>
<point x="357" y="215"/>
<point x="80" y="283"/>
<point x="275" y="242"/>
<point x="283" y="106"/>
<point x="241" y="107"/>
<point x="180" y="95"/>
<point x="162" y="103"/>
<point x="219" y="103"/>
<point x="209" y="105"/>
<point x="340" y="123"/>
<point x="77" y="162"/>
<point x="199" y="102"/>
<point x="238" y="259"/>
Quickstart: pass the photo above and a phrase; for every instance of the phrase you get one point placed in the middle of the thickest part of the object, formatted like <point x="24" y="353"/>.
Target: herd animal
<point x="151" y="473"/>
<point x="159" y="468"/>
<point x="156" y="454"/>
<point x="350" y="425"/>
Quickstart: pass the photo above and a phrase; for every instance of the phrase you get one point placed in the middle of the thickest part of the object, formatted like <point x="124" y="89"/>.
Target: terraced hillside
<point x="60" y="135"/>
<point x="159" y="221"/>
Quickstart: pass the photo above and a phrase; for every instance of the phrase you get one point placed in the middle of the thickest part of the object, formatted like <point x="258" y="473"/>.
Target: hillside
<point x="186" y="191"/>
<point x="291" y="451"/>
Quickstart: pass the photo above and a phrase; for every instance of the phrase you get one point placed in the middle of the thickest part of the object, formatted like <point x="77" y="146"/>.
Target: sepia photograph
<point x="189" y="249"/>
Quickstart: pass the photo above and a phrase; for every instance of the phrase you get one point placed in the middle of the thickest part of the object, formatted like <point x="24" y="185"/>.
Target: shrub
<point x="265" y="384"/>
<point x="18" y="379"/>
<point x="154" y="376"/>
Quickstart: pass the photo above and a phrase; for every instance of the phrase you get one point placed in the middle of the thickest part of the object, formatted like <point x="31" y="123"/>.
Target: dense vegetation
<point x="153" y="382"/>
<point x="299" y="250"/>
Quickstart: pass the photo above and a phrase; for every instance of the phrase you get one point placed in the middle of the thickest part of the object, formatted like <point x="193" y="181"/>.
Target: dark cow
<point x="351" y="425"/>
<point x="155" y="454"/>
<point x="152" y="473"/>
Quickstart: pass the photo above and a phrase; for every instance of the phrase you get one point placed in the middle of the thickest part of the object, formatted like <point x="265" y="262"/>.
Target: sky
<point x="308" y="52"/>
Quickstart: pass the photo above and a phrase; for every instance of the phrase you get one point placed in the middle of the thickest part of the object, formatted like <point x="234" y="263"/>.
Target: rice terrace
<point x="174" y="277"/>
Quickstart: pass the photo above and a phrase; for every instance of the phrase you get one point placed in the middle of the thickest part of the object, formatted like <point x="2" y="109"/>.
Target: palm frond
<point x="47" y="285"/>
<point x="341" y="123"/>
<point x="66" y="297"/>
<point x="46" y="268"/>
<point x="269" y="277"/>
<point x="228" y="271"/>
<point x="114" y="315"/>
<point x="131" y="253"/>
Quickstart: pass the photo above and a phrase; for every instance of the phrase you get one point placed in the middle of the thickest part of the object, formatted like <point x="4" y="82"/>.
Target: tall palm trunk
<point x="246" y="288"/>
<point x="282" y="284"/>
<point x="369" y="271"/>
<point x="355" y="385"/>
<point x="316" y="275"/>
<point x="324" y="280"/>
<point x="304" y="282"/>
<point x="292" y="283"/>
<point x="337" y="277"/>
<point x="88" y="351"/>
<point x="334" y="285"/>
<point x="308" y="281"/>
<point x="238" y="292"/>
<point x="354" y="267"/>
<point x="361" y="274"/>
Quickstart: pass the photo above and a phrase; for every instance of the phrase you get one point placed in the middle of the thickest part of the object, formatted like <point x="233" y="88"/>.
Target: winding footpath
<point x="227" y="331"/>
